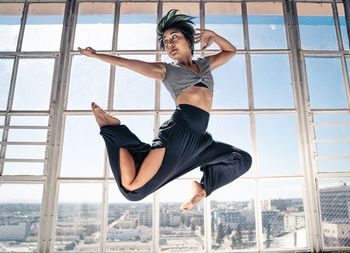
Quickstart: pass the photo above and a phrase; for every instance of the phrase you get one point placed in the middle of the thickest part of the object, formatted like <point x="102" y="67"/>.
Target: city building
<point x="293" y="221"/>
<point x="14" y="232"/>
<point x="335" y="204"/>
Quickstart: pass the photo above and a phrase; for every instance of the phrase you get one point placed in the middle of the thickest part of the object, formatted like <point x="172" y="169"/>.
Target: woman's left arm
<point x="207" y="37"/>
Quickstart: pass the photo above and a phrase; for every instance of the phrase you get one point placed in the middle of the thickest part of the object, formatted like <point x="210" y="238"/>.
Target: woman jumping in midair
<point x="182" y="143"/>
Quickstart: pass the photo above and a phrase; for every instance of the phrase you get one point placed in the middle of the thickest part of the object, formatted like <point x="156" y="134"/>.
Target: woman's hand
<point x="205" y="36"/>
<point x="89" y="51"/>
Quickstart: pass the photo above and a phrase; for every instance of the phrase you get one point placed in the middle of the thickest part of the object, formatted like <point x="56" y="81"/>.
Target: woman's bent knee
<point x="247" y="160"/>
<point x="131" y="196"/>
<point x="128" y="187"/>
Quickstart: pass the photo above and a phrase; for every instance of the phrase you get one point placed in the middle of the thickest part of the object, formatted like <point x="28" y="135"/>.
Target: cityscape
<point x="233" y="225"/>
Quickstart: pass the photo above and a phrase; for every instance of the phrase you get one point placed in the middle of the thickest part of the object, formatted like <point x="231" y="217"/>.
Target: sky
<point x="278" y="147"/>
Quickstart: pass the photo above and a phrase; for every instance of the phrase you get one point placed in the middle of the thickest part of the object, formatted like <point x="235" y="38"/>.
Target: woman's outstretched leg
<point x="130" y="179"/>
<point x="127" y="164"/>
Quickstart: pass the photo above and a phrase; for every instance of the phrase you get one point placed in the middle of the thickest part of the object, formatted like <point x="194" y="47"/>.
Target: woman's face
<point x="175" y="44"/>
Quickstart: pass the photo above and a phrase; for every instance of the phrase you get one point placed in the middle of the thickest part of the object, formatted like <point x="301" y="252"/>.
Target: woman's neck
<point x="186" y="62"/>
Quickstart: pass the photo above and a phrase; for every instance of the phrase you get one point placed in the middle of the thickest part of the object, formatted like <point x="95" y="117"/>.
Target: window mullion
<point x="299" y="84"/>
<point x="50" y="196"/>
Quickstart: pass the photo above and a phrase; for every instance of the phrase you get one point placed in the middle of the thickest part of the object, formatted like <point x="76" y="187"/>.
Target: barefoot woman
<point x="182" y="143"/>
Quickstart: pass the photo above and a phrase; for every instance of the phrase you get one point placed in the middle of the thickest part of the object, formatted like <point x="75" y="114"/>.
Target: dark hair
<point x="181" y="22"/>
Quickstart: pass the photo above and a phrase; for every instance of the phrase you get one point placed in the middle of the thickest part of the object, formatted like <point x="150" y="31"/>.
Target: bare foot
<point x="103" y="118"/>
<point x="198" y="194"/>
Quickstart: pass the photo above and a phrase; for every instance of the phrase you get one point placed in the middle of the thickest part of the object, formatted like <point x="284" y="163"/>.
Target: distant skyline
<point x="86" y="192"/>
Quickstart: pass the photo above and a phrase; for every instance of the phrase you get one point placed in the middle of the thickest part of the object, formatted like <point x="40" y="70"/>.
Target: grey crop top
<point x="178" y="77"/>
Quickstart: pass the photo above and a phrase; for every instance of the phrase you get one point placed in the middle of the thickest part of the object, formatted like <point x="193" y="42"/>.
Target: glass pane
<point x="226" y="20"/>
<point x="232" y="129"/>
<point x="233" y="217"/>
<point x="336" y="128"/>
<point x="334" y="200"/>
<point x="5" y="80"/>
<point x="29" y="120"/>
<point x="25" y="152"/>
<point x="191" y="9"/>
<point x="79" y="217"/>
<point x="10" y="22"/>
<point x="137" y="24"/>
<point x="129" y="223"/>
<point x="94" y="26"/>
<point x="83" y="148"/>
<point x="333" y="148"/>
<point x="277" y="145"/>
<point x="43" y="27"/>
<point x="89" y="81"/>
<point x="343" y="30"/>
<point x="325" y="82"/>
<point x="316" y="26"/>
<point x="20" y="217"/>
<point x="283" y="217"/>
<point x="332" y="132"/>
<point x="333" y="165"/>
<point x="266" y="25"/>
<point x="133" y="90"/>
<point x="16" y="168"/>
<point x="178" y="229"/>
<point x="27" y="135"/>
<point x="230" y="89"/>
<point x="336" y="134"/>
<point x="272" y="84"/>
<point x="332" y="118"/>
<point x="34" y="80"/>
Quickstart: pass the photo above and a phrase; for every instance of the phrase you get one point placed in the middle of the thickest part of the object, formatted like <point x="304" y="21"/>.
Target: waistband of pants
<point x="195" y="117"/>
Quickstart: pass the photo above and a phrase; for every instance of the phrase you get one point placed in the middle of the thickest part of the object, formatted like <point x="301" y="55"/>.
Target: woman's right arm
<point x="154" y="70"/>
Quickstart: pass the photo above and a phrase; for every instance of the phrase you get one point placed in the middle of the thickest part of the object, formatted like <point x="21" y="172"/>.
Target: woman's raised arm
<point x="207" y="37"/>
<point x="154" y="70"/>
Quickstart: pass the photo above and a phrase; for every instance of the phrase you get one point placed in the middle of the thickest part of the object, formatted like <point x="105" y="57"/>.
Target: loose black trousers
<point x="187" y="146"/>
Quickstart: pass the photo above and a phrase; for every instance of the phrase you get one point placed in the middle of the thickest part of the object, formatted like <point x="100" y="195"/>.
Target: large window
<point x="327" y="97"/>
<point x="284" y="97"/>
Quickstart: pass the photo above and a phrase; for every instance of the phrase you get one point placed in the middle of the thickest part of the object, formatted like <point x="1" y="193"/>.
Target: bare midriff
<point x="200" y="97"/>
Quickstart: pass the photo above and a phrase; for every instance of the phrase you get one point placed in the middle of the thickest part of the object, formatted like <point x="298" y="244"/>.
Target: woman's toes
<point x="93" y="105"/>
<point x="185" y="206"/>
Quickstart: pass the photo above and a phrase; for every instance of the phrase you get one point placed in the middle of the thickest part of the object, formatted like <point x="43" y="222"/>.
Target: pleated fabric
<point x="187" y="146"/>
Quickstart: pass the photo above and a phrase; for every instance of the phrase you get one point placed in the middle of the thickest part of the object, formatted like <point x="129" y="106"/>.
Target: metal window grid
<point x="57" y="112"/>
